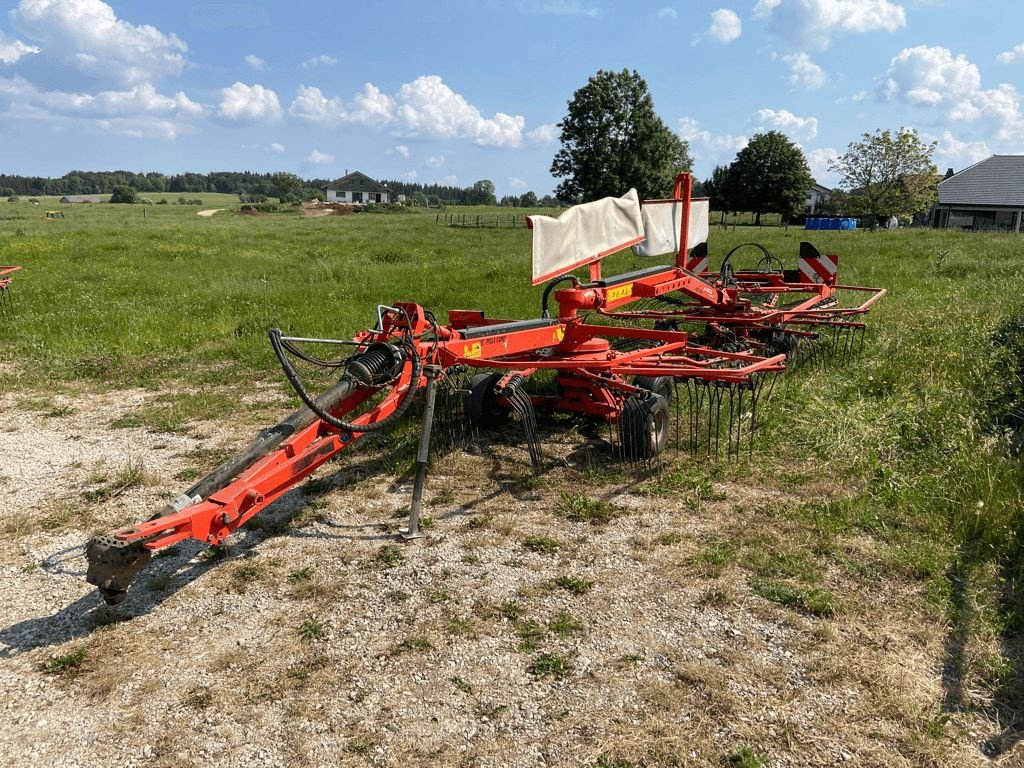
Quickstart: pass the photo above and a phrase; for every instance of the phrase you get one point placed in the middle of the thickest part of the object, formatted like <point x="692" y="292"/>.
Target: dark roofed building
<point x="987" y="196"/>
<point x="356" y="189"/>
<point x="76" y="199"/>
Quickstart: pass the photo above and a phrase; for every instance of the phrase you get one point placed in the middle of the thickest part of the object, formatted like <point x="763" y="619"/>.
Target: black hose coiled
<point x="374" y="367"/>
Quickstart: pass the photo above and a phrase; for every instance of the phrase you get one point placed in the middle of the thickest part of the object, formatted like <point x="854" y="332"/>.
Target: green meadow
<point x="904" y="440"/>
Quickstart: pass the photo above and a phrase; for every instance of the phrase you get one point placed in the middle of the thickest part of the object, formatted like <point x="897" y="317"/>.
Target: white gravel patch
<point x="306" y="648"/>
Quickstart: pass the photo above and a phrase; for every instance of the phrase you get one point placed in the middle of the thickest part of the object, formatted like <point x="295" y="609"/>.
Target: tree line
<point x="252" y="186"/>
<point x="103" y="182"/>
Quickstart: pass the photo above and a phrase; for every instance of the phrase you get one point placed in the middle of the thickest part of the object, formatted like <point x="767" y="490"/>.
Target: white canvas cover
<point x="584" y="234"/>
<point x="662" y="222"/>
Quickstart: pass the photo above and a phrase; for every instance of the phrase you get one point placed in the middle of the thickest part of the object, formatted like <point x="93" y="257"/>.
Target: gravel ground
<point x="317" y="640"/>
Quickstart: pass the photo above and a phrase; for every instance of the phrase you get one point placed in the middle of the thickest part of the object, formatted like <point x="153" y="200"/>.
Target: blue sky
<point x="454" y="91"/>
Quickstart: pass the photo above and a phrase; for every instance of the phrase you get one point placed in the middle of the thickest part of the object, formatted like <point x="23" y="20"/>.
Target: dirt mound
<point x="327" y="209"/>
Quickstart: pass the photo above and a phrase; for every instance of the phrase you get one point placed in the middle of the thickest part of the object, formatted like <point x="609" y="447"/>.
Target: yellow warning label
<point x="472" y="350"/>
<point x="559" y="334"/>
<point x="620" y="292"/>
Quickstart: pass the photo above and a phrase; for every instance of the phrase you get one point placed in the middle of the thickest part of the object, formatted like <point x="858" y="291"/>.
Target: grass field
<point x="900" y="440"/>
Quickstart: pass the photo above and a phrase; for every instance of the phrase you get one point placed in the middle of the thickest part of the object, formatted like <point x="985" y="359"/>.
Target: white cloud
<point x="725" y="27"/>
<point x="799" y="128"/>
<point x="140" y="101"/>
<point x="544" y="134"/>
<point x="428" y="107"/>
<point x="256" y="62"/>
<point x="516" y="183"/>
<point x="804" y="73"/>
<point x="88" y="36"/>
<point x="707" y="148"/>
<point x="812" y="23"/>
<point x="449" y="181"/>
<point x="425" y="108"/>
<point x="249" y="103"/>
<point x="1007" y="57"/>
<point x="409" y="176"/>
<point x="109" y="112"/>
<point x="932" y="77"/>
<point x="323" y="60"/>
<point x="402" y="150"/>
<point x="435" y="161"/>
<point x="312" y="106"/>
<point x="957" y="154"/>
<point x="668" y="13"/>
<point x="316" y="157"/>
<point x="277" y="148"/>
<point x="371" y="107"/>
<point x="12" y="50"/>
<point x="818" y="161"/>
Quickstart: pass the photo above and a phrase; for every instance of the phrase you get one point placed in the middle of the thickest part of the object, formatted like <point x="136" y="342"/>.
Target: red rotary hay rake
<point x="624" y="369"/>
<point x="6" y="299"/>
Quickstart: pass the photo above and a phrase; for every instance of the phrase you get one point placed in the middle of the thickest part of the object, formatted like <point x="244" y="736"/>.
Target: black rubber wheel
<point x="481" y="404"/>
<point x="645" y="424"/>
<point x="659" y="385"/>
<point x="778" y="341"/>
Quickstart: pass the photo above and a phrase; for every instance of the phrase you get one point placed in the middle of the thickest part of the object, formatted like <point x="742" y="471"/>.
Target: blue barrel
<point x="833" y="223"/>
<point x="811" y="223"/>
<point x="848" y="224"/>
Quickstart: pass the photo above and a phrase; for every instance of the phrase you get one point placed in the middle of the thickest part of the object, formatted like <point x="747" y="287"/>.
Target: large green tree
<point x="124" y="194"/>
<point x="888" y="173"/>
<point x="613" y="140"/>
<point x="770" y="174"/>
<point x="482" y="193"/>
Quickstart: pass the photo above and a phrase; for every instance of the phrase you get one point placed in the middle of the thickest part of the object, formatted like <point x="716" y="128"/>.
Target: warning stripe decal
<point x="819" y="270"/>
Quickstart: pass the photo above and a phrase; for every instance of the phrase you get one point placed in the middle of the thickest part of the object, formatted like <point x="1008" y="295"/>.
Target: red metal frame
<point x="595" y="377"/>
<point x="578" y="351"/>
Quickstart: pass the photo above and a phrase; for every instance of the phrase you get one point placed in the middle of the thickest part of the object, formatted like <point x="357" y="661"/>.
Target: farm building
<point x="75" y="199"/>
<point x="356" y="189"/>
<point x="987" y="196"/>
<point x="816" y="196"/>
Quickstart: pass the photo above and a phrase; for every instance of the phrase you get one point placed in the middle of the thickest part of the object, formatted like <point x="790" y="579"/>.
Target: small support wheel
<point x="645" y="425"/>
<point x="481" y="403"/>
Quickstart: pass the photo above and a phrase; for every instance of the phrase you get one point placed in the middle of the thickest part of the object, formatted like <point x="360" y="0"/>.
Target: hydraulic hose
<point x="550" y="287"/>
<point x="363" y="371"/>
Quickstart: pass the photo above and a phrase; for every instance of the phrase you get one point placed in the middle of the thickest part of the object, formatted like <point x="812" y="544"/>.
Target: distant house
<point x="987" y="196"/>
<point x="357" y="189"/>
<point x="75" y="199"/>
<point x="816" y="196"/>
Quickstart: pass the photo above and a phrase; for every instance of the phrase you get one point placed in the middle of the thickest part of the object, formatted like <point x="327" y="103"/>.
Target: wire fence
<point x="492" y="220"/>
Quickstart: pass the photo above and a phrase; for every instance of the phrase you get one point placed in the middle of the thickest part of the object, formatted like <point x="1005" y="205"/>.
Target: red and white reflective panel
<point x="819" y="269"/>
